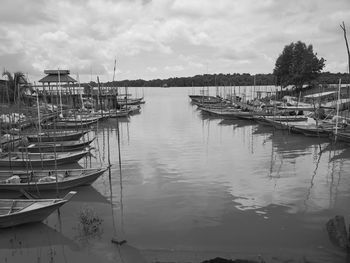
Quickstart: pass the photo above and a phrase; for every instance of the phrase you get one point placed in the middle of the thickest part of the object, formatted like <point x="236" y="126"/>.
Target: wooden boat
<point x="51" y="136"/>
<point x="310" y="130"/>
<point x="119" y="113"/>
<point x="130" y="101"/>
<point x="60" y="146"/>
<point x="45" y="180"/>
<point x="21" y="159"/>
<point x="204" y="99"/>
<point x="68" y="125"/>
<point x="14" y="212"/>
<point x="81" y="119"/>
<point x="229" y="113"/>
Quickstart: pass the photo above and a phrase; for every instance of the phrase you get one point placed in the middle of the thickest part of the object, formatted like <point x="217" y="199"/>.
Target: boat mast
<point x="60" y="90"/>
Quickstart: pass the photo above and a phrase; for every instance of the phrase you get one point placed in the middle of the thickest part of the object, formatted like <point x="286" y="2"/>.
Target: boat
<point x="48" y="180"/>
<point x="203" y="99"/>
<point x="60" y="146"/>
<point x="310" y="130"/>
<point x="14" y="212"/>
<point x="21" y="159"/>
<point x="119" y="113"/>
<point x="229" y="113"/>
<point x="129" y="101"/>
<point x="68" y="124"/>
<point x="81" y="118"/>
<point x="51" y="136"/>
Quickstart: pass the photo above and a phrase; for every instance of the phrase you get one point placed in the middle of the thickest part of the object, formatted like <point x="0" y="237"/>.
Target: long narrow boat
<point x="68" y="125"/>
<point x="21" y="159"/>
<point x="51" y="136"/>
<point x="229" y="114"/>
<point x="204" y="99"/>
<point x="310" y="130"/>
<point x="14" y="212"/>
<point x="60" y="146"/>
<point x="130" y="101"/>
<point x="118" y="113"/>
<point x="48" y="180"/>
<point x="81" y="119"/>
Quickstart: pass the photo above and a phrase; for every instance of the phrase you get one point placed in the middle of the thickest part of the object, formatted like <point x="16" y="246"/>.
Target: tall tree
<point x="297" y="65"/>
<point x="17" y="85"/>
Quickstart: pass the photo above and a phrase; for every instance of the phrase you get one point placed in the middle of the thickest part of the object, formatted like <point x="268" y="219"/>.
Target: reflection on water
<point x="190" y="184"/>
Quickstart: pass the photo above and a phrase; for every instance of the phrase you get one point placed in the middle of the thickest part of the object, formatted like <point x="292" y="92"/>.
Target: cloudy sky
<point x="165" y="38"/>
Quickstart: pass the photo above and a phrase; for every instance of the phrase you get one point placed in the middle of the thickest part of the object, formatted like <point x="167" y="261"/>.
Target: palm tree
<point x="17" y="85"/>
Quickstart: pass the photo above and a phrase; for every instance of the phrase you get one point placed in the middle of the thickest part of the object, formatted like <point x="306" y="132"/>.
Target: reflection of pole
<point x="336" y="120"/>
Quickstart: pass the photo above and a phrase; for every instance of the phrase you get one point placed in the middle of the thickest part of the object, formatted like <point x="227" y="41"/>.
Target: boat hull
<point x="67" y="183"/>
<point x="47" y="161"/>
<point x="32" y="216"/>
<point x="56" y="137"/>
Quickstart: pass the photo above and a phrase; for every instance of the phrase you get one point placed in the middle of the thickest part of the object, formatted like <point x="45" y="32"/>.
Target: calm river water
<point x="193" y="188"/>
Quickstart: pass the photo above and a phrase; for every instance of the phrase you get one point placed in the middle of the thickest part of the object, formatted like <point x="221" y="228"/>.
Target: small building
<point x="56" y="80"/>
<point x="59" y="87"/>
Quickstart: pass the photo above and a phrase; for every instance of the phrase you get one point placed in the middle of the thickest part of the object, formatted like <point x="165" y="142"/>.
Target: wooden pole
<point x="346" y="43"/>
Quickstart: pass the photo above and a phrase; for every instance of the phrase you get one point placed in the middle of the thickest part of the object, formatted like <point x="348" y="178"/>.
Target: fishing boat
<point x="60" y="146"/>
<point x="48" y="180"/>
<point x="130" y="101"/>
<point x="51" y="136"/>
<point x="81" y="119"/>
<point x="119" y="113"/>
<point x="14" y="212"/>
<point x="311" y="130"/>
<point x="205" y="99"/>
<point x="21" y="159"/>
<point x="229" y="113"/>
<point x="68" y="124"/>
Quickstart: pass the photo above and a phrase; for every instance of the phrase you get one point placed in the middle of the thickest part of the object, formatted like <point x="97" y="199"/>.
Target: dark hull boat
<point x="63" y="146"/>
<point x="21" y="159"/>
<point x="310" y="131"/>
<point x="68" y="125"/>
<point x="136" y="101"/>
<point x="48" y="180"/>
<point x="51" y="136"/>
<point x="14" y="212"/>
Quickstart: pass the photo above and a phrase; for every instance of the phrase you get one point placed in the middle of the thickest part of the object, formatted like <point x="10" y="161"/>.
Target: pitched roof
<point x="57" y="76"/>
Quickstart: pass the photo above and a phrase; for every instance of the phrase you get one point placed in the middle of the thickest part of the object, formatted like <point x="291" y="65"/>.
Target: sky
<point x="152" y="39"/>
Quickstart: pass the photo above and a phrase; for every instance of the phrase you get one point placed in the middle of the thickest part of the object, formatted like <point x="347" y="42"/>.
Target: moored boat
<point x="48" y="180"/>
<point x="51" y="136"/>
<point x="60" y="146"/>
<point x="21" y="159"/>
<point x="68" y="125"/>
<point x="15" y="212"/>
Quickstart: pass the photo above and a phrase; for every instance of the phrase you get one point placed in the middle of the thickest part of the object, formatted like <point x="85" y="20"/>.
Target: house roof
<point x="57" y="76"/>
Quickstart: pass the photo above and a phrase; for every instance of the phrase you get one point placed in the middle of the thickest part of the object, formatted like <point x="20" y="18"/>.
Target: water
<point x="194" y="188"/>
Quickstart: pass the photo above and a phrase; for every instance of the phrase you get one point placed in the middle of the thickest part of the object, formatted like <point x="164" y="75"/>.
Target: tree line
<point x="235" y="79"/>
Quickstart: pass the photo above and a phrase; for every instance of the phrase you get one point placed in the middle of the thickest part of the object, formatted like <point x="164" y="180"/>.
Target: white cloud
<point x="184" y="37"/>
